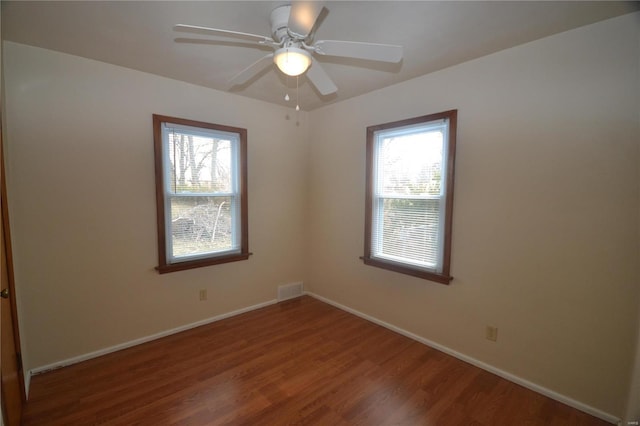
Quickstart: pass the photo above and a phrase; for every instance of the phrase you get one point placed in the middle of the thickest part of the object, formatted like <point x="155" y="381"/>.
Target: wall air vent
<point x="289" y="291"/>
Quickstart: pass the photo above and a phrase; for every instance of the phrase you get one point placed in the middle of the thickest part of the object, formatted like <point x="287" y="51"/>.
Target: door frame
<point x="10" y="272"/>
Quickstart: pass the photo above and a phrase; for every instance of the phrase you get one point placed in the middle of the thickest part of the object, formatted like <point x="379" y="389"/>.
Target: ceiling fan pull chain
<point x="286" y="94"/>
<point x="297" y="94"/>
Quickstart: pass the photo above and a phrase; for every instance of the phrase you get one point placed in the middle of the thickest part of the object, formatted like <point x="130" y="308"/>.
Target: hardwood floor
<point x="297" y="362"/>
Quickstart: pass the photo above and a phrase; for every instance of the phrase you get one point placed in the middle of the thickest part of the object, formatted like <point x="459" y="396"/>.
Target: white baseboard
<point x="80" y="358"/>
<point x="27" y="383"/>
<point x="505" y="375"/>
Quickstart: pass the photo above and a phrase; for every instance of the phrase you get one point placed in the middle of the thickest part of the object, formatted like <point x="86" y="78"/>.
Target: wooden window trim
<point x="163" y="265"/>
<point x="444" y="277"/>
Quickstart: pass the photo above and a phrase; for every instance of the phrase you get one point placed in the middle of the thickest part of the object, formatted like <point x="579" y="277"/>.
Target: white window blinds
<point x="408" y="200"/>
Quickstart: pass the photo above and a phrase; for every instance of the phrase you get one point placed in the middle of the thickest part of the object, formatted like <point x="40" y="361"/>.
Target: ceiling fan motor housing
<point x="280" y="22"/>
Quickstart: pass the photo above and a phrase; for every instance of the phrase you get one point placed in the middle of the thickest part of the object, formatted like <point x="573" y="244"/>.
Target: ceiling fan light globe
<point x="292" y="61"/>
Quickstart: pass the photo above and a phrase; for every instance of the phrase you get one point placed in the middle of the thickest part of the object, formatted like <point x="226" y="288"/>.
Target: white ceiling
<point x="435" y="35"/>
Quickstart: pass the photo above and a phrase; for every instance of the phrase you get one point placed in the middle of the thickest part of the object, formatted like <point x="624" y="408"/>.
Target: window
<point x="201" y="192"/>
<point x="409" y="196"/>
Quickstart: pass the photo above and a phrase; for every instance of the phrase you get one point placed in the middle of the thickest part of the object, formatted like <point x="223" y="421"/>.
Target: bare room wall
<point x="82" y="199"/>
<point x="633" y="402"/>
<point x="545" y="227"/>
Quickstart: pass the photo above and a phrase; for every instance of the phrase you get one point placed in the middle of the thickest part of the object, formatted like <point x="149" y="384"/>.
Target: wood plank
<point x="297" y="362"/>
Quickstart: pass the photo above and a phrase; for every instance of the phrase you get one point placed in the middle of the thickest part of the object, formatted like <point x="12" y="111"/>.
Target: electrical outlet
<point x="203" y="294"/>
<point x="492" y="333"/>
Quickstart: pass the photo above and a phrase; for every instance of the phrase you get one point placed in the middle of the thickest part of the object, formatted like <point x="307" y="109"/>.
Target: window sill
<point x="191" y="264"/>
<point x="407" y="270"/>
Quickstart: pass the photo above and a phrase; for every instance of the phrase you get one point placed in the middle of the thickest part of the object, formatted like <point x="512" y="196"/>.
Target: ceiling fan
<point x="294" y="47"/>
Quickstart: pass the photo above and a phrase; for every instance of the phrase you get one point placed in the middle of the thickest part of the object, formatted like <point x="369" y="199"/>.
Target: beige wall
<point x="633" y="403"/>
<point x="545" y="232"/>
<point x="545" y="243"/>
<point x="83" y="209"/>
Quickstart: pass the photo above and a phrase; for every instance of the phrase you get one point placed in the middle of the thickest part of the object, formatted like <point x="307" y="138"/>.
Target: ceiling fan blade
<point x="319" y="78"/>
<point x="303" y="17"/>
<point x="252" y="70"/>
<point x="221" y="33"/>
<point x="352" y="49"/>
